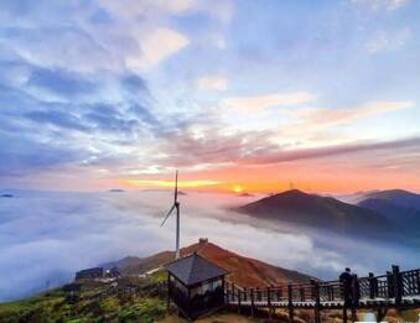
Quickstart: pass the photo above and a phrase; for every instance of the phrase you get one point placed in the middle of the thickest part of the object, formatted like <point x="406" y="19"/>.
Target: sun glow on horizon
<point x="238" y="189"/>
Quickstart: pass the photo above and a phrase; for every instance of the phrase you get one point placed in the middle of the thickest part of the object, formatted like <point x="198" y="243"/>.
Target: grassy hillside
<point x="148" y="304"/>
<point x="246" y="271"/>
<point x="243" y="271"/>
<point x="95" y="303"/>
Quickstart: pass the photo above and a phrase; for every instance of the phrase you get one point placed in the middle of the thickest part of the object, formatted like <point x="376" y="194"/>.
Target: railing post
<point x="269" y="301"/>
<point x="317" y="299"/>
<point x="302" y="294"/>
<point x="418" y="281"/>
<point x="290" y="303"/>
<point x="356" y="291"/>
<point x="227" y="292"/>
<point x="390" y="285"/>
<point x="252" y="302"/>
<point x="330" y="293"/>
<point x="239" y="300"/>
<point x="397" y="282"/>
<point x="372" y="286"/>
<point x="233" y="292"/>
<point x="356" y="298"/>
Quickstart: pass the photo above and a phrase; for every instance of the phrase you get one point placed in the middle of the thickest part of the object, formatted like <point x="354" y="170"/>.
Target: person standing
<point x="346" y="279"/>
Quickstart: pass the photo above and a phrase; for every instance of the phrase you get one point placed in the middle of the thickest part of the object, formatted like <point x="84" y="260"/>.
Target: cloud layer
<point x="44" y="244"/>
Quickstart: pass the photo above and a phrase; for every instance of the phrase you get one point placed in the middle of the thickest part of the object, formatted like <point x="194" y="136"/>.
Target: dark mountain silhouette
<point x="243" y="271"/>
<point x="397" y="197"/>
<point x="399" y="206"/>
<point x="392" y="211"/>
<point x="316" y="211"/>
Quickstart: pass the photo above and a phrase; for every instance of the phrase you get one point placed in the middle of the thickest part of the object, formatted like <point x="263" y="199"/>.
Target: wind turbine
<point x="175" y="206"/>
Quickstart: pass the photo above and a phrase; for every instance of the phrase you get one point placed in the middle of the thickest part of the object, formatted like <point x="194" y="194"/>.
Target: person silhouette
<point x="346" y="278"/>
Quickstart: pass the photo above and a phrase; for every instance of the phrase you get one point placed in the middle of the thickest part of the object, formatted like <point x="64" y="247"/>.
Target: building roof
<point x="194" y="269"/>
<point x="96" y="271"/>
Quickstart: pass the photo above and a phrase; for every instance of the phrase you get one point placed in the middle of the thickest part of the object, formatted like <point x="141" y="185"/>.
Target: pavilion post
<point x="223" y="289"/>
<point x="227" y="292"/>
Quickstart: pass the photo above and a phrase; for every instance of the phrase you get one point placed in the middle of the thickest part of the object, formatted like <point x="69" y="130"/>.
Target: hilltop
<point x="317" y="211"/>
<point x="399" y="206"/>
<point x="243" y="271"/>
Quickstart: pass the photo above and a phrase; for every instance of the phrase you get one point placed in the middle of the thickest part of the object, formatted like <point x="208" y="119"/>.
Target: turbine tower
<point x="175" y="206"/>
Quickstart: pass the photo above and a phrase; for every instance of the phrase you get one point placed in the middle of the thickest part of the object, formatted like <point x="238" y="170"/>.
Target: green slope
<point x="94" y="304"/>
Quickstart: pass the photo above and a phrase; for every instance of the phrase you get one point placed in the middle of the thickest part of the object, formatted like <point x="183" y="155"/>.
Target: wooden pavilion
<point x="195" y="285"/>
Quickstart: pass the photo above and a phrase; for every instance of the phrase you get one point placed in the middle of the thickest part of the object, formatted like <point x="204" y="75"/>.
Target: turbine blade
<point x="176" y="186"/>
<point x="168" y="214"/>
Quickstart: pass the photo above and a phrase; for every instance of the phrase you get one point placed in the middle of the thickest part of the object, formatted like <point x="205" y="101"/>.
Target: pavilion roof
<point x="194" y="269"/>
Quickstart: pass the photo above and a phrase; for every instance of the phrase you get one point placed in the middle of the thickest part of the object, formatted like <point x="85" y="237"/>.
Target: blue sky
<point x="96" y="94"/>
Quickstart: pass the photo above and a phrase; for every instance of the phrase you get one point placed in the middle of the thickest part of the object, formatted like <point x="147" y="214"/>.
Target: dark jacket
<point x="346" y="279"/>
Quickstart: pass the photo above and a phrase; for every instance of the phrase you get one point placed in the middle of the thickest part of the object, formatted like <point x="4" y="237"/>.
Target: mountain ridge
<point x="244" y="271"/>
<point x="397" y="197"/>
<point x="323" y="212"/>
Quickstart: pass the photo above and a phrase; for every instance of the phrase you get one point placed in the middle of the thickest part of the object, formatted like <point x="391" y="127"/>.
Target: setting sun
<point x="237" y="189"/>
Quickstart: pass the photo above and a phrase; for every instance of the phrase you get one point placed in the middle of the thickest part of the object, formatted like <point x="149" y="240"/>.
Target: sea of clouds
<point x="46" y="236"/>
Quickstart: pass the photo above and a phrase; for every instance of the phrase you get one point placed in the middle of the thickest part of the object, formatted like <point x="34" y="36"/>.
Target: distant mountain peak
<point x="396" y="196"/>
<point x="399" y="206"/>
<point x="294" y="191"/>
<point x="288" y="194"/>
<point x="326" y="213"/>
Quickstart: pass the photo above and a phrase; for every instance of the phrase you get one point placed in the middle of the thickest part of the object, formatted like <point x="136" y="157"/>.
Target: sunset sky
<point x="244" y="96"/>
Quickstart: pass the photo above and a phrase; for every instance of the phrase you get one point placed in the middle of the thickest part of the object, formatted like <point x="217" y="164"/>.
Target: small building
<point x="90" y="273"/>
<point x="195" y="285"/>
<point x="113" y="273"/>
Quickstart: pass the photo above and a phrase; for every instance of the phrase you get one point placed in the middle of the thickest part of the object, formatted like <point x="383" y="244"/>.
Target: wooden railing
<point x="395" y="288"/>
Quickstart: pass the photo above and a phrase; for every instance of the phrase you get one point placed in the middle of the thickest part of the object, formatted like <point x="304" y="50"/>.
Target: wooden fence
<point x="396" y="289"/>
